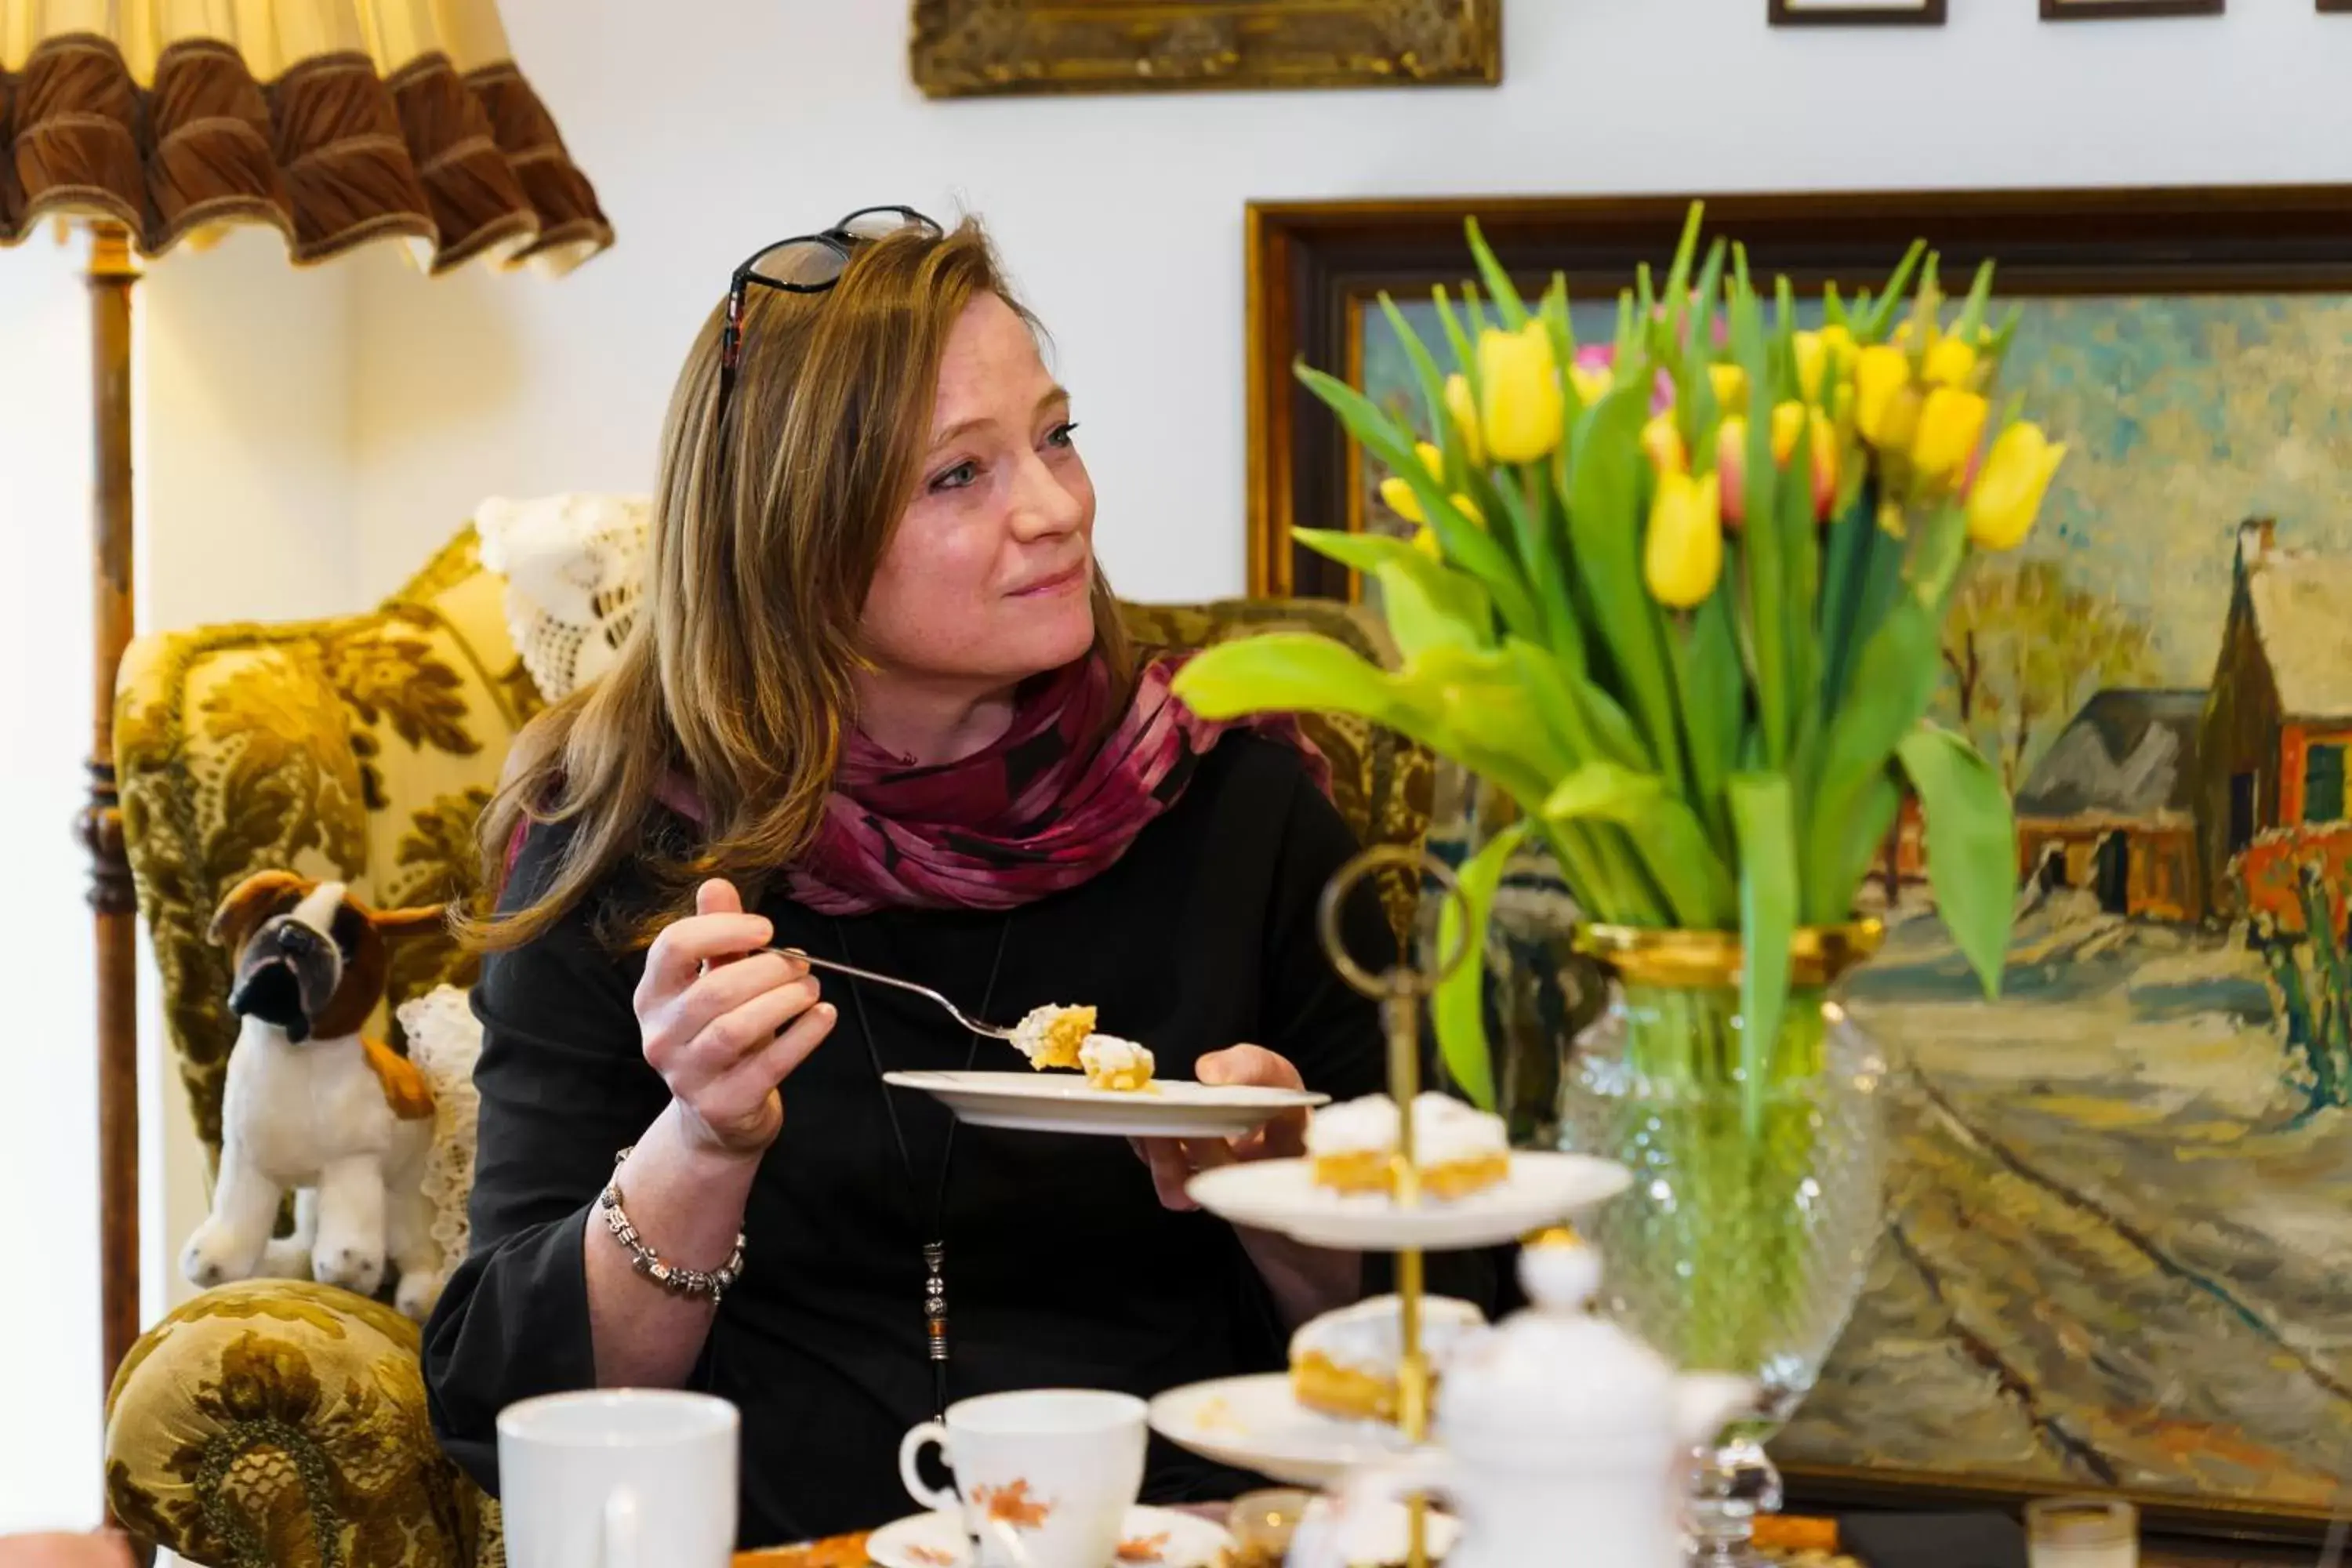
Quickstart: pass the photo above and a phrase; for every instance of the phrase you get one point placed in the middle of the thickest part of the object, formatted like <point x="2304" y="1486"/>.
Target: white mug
<point x="621" y="1478"/>
<point x="1047" y="1476"/>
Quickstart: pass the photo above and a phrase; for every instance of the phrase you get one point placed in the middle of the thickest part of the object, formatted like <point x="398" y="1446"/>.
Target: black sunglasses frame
<point x="837" y="238"/>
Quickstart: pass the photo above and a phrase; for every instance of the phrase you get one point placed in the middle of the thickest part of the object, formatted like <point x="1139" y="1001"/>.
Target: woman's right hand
<point x="709" y="1010"/>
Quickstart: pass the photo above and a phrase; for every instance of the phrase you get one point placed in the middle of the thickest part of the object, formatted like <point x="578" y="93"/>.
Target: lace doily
<point x="444" y="1040"/>
<point x="573" y="565"/>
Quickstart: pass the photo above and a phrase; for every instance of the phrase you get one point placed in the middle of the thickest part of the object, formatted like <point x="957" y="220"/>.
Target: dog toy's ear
<point x="421" y="921"/>
<point x="259" y="896"/>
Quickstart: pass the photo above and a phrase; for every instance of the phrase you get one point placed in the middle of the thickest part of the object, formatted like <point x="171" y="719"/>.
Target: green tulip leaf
<point x="1507" y="303"/>
<point x="1765" y="818"/>
<point x="1288" y="672"/>
<point x="1971" y="845"/>
<point x="1458" y="1006"/>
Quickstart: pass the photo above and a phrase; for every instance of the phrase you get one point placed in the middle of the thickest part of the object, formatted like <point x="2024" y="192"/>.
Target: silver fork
<point x="991" y="1030"/>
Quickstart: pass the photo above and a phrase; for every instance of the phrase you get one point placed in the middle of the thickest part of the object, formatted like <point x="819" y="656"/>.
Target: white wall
<point x="243" y="467"/>
<point x="711" y="126"/>
<point x="308" y="439"/>
<point x="49" y="1343"/>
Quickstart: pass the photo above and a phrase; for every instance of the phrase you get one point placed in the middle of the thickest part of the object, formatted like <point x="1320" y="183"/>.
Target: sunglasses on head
<point x="805" y="264"/>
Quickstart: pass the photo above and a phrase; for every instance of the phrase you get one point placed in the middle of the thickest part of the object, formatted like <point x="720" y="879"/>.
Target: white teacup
<point x="1047" y="1476"/>
<point x="619" y="1477"/>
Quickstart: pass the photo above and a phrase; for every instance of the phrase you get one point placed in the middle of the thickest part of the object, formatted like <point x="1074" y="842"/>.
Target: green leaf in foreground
<point x="1458" y="1008"/>
<point x="1971" y="844"/>
<point x="1764" y="818"/>
<point x="1288" y="672"/>
<point x="1426" y="603"/>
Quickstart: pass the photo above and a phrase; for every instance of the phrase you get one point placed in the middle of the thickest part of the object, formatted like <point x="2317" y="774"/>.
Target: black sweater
<point x="1062" y="1267"/>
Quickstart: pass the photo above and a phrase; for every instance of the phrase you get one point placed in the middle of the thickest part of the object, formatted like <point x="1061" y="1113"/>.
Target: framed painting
<point x="2120" y="1197"/>
<point x="1856" y="13"/>
<point x="965" y="48"/>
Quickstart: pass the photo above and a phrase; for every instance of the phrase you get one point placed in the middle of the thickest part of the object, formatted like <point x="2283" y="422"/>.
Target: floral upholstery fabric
<point x="281" y="1423"/>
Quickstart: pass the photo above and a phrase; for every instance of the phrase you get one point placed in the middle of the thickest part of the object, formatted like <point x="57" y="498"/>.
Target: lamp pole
<point x="112" y="273"/>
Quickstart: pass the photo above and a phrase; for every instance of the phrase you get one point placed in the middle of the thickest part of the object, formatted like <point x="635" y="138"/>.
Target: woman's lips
<point x="1060" y="582"/>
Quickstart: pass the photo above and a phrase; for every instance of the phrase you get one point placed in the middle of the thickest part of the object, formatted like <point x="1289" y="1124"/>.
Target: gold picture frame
<point x="973" y="48"/>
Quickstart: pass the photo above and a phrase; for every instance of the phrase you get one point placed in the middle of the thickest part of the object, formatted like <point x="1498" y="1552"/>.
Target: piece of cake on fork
<point x="1051" y="1036"/>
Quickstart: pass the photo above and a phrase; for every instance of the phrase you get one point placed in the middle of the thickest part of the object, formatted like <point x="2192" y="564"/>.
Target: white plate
<point x="1031" y="1101"/>
<point x="1256" y="1424"/>
<point x="938" y="1541"/>
<point x="1281" y="1195"/>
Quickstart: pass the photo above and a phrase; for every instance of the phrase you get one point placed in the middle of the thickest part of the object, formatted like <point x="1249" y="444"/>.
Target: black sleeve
<point x="563" y="1086"/>
<point x="1329" y="1030"/>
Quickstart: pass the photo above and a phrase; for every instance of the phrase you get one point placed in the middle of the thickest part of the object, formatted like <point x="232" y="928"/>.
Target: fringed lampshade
<point x="335" y="122"/>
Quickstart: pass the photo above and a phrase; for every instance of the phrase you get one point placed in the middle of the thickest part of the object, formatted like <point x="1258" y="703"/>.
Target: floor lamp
<point x="338" y="123"/>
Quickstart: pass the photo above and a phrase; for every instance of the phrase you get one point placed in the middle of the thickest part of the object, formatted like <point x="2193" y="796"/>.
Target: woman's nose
<point x="1042" y="504"/>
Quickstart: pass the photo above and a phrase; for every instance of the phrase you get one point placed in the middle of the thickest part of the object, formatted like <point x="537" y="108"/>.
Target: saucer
<point x="1256" y="1423"/>
<point x="1281" y="1195"/>
<point x="1150" y="1537"/>
<point x="1031" y="1101"/>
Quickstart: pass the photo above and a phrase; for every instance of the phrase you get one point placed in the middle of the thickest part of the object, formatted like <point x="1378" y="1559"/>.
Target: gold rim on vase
<point x="1643" y="955"/>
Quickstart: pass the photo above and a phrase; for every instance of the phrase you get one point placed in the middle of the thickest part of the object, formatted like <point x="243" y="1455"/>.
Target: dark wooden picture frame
<point x="1315" y="269"/>
<point x="2124" y="10"/>
<point x="970" y="48"/>
<point x="1792" y="14"/>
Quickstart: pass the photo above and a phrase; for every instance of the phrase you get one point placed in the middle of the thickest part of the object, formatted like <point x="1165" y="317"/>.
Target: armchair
<point x="279" y="1421"/>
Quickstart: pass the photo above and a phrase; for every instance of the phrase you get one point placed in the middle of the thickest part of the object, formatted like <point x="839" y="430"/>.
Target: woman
<point x="879" y="709"/>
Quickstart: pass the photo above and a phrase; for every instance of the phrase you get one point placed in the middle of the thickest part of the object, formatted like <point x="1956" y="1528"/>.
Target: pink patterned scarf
<point x="1036" y="811"/>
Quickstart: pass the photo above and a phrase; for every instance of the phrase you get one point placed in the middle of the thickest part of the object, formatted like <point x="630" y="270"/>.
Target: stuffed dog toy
<point x="312" y="1105"/>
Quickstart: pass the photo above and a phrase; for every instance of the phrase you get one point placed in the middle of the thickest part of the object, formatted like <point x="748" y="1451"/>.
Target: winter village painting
<point x="2120" y="1196"/>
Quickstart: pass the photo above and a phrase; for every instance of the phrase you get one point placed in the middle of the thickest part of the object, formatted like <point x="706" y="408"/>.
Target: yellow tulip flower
<point x="1591" y="382"/>
<point x="1793" y="422"/>
<point x="1683" y="558"/>
<point x="1951" y="423"/>
<point x="1402" y="501"/>
<point x="1465" y="410"/>
<point x="1731" y="463"/>
<point x="1730" y="384"/>
<point x="1469" y="509"/>
<point x="1663" y="440"/>
<point x="1823" y="358"/>
<point x="1523" y="410"/>
<point x="1949" y="362"/>
<point x="1424" y="539"/>
<point x="2007" y="494"/>
<point x="1887" y="406"/>
<point x="1431" y="459"/>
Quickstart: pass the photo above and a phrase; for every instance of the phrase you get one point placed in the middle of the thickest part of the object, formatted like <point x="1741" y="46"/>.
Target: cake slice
<point x="1051" y="1036"/>
<point x="1111" y="1063"/>
<point x="1460" y="1149"/>
<point x="1345" y="1363"/>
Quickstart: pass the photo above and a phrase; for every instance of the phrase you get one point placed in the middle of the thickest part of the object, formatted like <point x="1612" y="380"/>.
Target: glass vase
<point x="1744" y="1239"/>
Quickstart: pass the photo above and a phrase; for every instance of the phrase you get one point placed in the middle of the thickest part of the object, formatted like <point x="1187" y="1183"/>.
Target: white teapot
<point x="1558" y="1425"/>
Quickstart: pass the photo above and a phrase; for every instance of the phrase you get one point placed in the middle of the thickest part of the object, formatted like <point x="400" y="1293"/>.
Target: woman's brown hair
<point x="769" y="522"/>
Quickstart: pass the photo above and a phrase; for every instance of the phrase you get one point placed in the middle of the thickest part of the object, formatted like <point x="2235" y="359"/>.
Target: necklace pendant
<point x="935" y="1298"/>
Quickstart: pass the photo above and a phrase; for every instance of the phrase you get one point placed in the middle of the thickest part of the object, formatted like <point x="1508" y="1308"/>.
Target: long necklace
<point x="935" y="1250"/>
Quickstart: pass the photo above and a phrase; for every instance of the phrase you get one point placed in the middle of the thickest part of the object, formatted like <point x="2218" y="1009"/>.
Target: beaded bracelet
<point x="671" y="1277"/>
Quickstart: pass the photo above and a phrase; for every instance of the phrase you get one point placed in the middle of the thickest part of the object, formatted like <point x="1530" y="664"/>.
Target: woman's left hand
<point x="1175" y="1161"/>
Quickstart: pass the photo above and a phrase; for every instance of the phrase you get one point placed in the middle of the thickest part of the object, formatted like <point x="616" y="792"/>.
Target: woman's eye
<point x="957" y="478"/>
<point x="1059" y="435"/>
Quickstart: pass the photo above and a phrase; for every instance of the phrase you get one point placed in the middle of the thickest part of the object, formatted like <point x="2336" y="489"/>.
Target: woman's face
<point x="988" y="575"/>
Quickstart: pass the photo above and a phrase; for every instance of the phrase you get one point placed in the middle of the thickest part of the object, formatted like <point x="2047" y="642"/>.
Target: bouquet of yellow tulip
<point x="1679" y="595"/>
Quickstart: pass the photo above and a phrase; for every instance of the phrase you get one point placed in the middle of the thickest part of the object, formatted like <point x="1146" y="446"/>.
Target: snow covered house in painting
<point x="2271" y="749"/>
<point x="2111" y="807"/>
